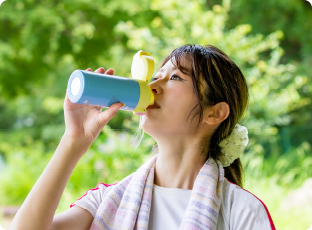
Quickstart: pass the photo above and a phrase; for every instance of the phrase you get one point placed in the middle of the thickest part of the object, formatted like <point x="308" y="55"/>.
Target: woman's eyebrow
<point x="185" y="71"/>
<point x="161" y="70"/>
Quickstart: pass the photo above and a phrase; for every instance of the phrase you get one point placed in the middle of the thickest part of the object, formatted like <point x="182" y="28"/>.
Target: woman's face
<point x="173" y="92"/>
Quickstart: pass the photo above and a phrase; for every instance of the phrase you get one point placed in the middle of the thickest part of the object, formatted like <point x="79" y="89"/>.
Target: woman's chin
<point x="149" y="129"/>
<point x="150" y="125"/>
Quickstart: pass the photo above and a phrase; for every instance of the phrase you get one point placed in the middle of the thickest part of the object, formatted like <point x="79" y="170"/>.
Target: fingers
<point x="110" y="71"/>
<point x="109" y="113"/>
<point x="100" y="70"/>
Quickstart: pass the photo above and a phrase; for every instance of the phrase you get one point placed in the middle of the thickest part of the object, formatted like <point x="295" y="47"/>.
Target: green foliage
<point x="289" y="169"/>
<point x="42" y="44"/>
<point x="292" y="17"/>
<point x="107" y="161"/>
<point x="24" y="166"/>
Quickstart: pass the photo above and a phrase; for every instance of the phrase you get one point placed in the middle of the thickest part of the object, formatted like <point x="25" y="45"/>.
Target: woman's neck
<point x="177" y="170"/>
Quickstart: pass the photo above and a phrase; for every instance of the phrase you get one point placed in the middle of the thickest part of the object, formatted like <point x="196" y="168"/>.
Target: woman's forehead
<point x="183" y="64"/>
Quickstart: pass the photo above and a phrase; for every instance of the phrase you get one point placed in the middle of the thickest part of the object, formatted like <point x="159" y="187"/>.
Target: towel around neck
<point x="127" y="206"/>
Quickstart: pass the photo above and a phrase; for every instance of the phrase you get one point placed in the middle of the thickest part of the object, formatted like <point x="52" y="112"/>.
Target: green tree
<point x="293" y="18"/>
<point x="42" y="44"/>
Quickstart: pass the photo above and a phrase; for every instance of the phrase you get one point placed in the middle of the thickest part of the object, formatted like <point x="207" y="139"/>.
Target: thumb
<point x="66" y="97"/>
<point x="67" y="100"/>
<point x="108" y="114"/>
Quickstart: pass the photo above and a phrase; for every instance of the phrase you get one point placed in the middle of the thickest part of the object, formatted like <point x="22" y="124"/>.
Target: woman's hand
<point x="85" y="122"/>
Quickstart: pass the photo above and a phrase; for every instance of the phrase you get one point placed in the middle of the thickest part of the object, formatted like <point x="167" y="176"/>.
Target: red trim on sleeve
<point x="270" y="219"/>
<point x="93" y="189"/>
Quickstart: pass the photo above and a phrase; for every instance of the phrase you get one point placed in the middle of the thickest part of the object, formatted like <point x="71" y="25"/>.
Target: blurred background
<point x="43" y="42"/>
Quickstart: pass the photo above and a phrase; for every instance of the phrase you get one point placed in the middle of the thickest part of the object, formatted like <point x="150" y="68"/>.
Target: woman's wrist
<point x="78" y="146"/>
<point x="67" y="155"/>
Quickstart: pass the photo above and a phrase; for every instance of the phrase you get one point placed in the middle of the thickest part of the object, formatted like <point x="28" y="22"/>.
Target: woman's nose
<point x="155" y="89"/>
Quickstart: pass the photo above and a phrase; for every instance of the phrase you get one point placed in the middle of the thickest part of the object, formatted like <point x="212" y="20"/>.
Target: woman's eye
<point x="176" y="76"/>
<point x="155" y="78"/>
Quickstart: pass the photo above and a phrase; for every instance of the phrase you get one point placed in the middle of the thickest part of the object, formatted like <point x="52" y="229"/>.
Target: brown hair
<point x="225" y="83"/>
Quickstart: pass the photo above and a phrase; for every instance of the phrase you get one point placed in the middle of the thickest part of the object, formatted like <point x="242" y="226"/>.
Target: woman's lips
<point x="155" y="106"/>
<point x="152" y="107"/>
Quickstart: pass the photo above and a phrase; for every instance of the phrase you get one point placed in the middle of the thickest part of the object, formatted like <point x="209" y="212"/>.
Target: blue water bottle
<point x="85" y="87"/>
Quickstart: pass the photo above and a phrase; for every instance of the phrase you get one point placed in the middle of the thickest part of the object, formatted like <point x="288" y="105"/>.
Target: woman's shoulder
<point x="92" y="199"/>
<point x="244" y="210"/>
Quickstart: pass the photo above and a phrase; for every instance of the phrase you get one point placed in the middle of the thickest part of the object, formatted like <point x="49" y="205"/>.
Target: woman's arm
<point x="83" y="124"/>
<point x="39" y="207"/>
<point x="74" y="218"/>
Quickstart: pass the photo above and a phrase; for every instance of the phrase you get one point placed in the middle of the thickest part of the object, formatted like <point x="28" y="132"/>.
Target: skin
<point x="178" y="162"/>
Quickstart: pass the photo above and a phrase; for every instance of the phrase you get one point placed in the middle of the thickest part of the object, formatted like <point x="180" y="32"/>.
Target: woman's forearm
<point x="38" y="209"/>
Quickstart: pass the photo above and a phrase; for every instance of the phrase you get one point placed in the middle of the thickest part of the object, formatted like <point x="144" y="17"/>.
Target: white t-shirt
<point x="240" y="210"/>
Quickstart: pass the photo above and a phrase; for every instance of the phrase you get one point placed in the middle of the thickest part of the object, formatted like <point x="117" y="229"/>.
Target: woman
<point x="195" y="180"/>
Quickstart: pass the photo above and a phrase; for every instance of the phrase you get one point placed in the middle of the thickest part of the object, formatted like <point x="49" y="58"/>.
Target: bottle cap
<point x="142" y="66"/>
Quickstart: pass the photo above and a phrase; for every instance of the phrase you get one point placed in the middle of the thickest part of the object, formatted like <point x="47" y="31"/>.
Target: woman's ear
<point x="217" y="113"/>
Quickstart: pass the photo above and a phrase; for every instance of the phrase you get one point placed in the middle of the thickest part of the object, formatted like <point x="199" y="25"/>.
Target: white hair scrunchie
<point x="234" y="145"/>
